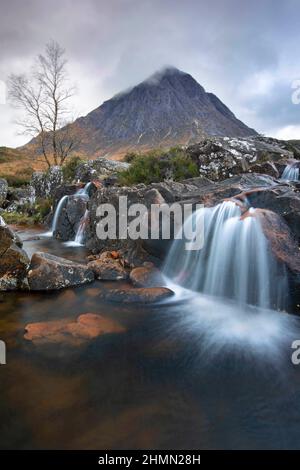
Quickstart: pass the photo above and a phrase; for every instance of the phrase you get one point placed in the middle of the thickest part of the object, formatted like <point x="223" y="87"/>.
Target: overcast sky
<point x="246" y="52"/>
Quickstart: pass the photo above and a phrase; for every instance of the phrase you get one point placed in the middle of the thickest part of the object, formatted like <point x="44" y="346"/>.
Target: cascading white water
<point x="291" y="172"/>
<point x="58" y="210"/>
<point x="79" y="238"/>
<point x="84" y="192"/>
<point x="235" y="261"/>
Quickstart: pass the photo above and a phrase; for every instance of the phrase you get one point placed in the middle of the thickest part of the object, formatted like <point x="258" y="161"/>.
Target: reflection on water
<point x="192" y="373"/>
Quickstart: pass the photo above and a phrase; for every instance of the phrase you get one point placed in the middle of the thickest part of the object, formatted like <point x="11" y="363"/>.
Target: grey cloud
<point x="114" y="44"/>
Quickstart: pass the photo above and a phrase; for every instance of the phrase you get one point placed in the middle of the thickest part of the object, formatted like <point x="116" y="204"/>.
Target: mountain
<point x="167" y="109"/>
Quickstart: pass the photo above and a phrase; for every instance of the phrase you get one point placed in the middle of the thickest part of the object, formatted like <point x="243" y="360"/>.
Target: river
<point x="194" y="373"/>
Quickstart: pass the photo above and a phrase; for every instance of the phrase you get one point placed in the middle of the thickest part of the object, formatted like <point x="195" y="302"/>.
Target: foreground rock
<point x="49" y="272"/>
<point x="87" y="327"/>
<point x="108" y="268"/>
<point x="146" y="277"/>
<point x="14" y="261"/>
<point x="144" y="295"/>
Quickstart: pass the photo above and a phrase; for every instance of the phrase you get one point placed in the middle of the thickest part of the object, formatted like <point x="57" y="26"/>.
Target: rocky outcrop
<point x="69" y="218"/>
<point x="144" y="295"/>
<point x="146" y="277"/>
<point x="100" y="168"/>
<point x="14" y="261"/>
<point x="219" y="158"/>
<point x="108" y="267"/>
<point x="86" y="327"/>
<point x="49" y="272"/>
<point x="19" y="197"/>
<point x="45" y="184"/>
<point x="283" y="244"/>
<point x="3" y="190"/>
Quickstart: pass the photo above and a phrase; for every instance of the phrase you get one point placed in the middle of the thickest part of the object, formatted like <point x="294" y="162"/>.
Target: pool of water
<point x="194" y="373"/>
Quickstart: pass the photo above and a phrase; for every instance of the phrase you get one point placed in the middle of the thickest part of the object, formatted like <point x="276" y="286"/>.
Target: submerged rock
<point x="144" y="295"/>
<point x="14" y="261"/>
<point x="86" y="327"/>
<point x="107" y="267"/>
<point x="146" y="277"/>
<point x="49" y="272"/>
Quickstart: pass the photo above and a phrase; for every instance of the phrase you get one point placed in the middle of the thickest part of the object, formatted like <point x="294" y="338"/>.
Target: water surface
<point x="194" y="373"/>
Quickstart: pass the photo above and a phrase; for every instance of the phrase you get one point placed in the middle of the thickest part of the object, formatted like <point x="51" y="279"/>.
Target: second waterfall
<point x="235" y="261"/>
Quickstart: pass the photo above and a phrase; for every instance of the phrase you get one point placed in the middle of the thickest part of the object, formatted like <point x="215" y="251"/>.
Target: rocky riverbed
<point x="105" y="312"/>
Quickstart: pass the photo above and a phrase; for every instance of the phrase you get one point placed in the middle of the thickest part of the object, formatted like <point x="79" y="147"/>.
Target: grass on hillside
<point x="157" y="165"/>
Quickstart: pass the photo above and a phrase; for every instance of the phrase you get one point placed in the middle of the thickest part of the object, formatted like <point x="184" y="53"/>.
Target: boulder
<point x="86" y="327"/>
<point x="108" y="268"/>
<point x="3" y="190"/>
<point x="45" y="183"/>
<point x="219" y="158"/>
<point x="14" y="261"/>
<point x="284" y="248"/>
<point x="69" y="218"/>
<point x="283" y="244"/>
<point x="49" y="272"/>
<point x="143" y="295"/>
<point x="146" y="277"/>
<point x="100" y="168"/>
<point x="21" y="195"/>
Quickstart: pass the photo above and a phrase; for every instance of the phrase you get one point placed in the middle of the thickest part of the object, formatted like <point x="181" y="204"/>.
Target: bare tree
<point x="44" y="97"/>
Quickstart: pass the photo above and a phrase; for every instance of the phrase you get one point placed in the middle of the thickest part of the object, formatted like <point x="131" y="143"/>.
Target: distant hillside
<point x="167" y="109"/>
<point x="15" y="162"/>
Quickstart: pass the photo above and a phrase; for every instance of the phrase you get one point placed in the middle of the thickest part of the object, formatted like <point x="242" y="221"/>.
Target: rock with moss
<point x="45" y="183"/>
<point x="3" y="190"/>
<point x="14" y="261"/>
<point x="100" y="168"/>
<point x="49" y="272"/>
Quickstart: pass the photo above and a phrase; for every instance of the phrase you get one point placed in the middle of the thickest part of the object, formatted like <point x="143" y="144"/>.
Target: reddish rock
<point x="282" y="243"/>
<point x="146" y="277"/>
<point x="87" y="327"/>
<point x="144" y="295"/>
<point x="108" y="268"/>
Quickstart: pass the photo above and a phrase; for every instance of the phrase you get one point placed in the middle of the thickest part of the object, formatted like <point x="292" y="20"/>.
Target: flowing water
<point x="191" y="373"/>
<point x="291" y="172"/>
<point x="235" y="261"/>
<point x="82" y="193"/>
<point x="57" y="213"/>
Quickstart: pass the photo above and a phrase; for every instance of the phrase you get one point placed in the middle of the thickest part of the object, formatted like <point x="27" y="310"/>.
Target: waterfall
<point x="79" y="238"/>
<point x="81" y="193"/>
<point x="84" y="192"/>
<point x="291" y="172"/>
<point x="235" y="261"/>
<point x="58" y="210"/>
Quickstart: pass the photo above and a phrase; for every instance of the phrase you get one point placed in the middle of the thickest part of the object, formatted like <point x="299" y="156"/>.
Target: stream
<point x="190" y="373"/>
